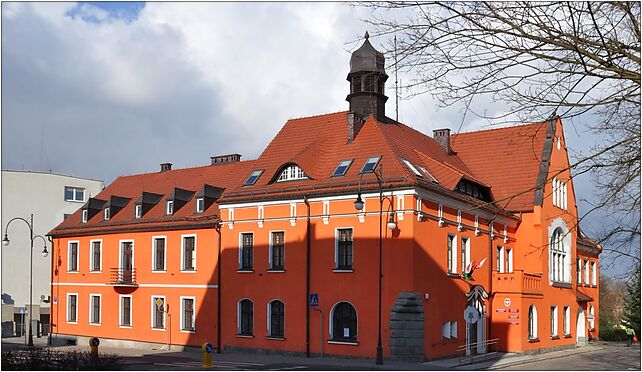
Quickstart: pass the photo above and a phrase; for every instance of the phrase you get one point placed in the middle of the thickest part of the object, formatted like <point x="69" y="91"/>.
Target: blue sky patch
<point x="105" y="11"/>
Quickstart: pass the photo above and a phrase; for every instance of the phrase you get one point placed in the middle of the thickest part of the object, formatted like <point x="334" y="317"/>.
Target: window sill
<point x="158" y="329"/>
<point x="95" y="324"/>
<point x="452" y="339"/>
<point x="159" y="271"/>
<point x="343" y="270"/>
<point x="555" y="337"/>
<point x="593" y="286"/>
<point x="72" y="322"/>
<point x="125" y="326"/>
<point x="188" y="331"/>
<point x="276" y="271"/>
<point x="568" y="336"/>
<point x="191" y="271"/>
<point x="561" y="285"/>
<point x="453" y="275"/>
<point x="275" y="338"/>
<point x="245" y="336"/>
<point x="531" y="340"/>
<point x="95" y="271"/>
<point x="73" y="271"/>
<point x="351" y="343"/>
<point x="244" y="271"/>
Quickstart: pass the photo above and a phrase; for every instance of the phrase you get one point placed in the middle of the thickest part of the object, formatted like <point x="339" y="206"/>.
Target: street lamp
<point x="391" y="225"/>
<point x="44" y="253"/>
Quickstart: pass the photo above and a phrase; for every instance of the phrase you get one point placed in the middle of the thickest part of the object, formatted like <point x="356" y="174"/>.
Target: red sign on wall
<point x="513" y="310"/>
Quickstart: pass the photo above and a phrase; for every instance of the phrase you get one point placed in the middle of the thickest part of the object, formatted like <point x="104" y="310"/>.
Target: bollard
<point x="207" y="355"/>
<point x="93" y="345"/>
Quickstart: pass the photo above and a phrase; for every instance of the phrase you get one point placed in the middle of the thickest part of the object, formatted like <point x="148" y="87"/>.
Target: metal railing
<point x="122" y="276"/>
<point x="491" y="348"/>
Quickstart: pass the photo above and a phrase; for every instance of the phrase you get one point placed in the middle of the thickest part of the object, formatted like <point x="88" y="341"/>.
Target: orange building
<point x="351" y="234"/>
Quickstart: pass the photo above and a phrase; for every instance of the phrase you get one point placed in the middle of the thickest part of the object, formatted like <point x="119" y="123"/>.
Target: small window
<point x="586" y="272"/>
<point x="501" y="261"/>
<point x="452" y="254"/>
<point x="158" y="312"/>
<point x="84" y="216"/>
<point x="125" y="311"/>
<point x="449" y="330"/>
<point x="246" y="318"/>
<point x="567" y="321"/>
<point x="76" y="194"/>
<point x="344" y="323"/>
<point x="465" y="253"/>
<point x="94" y="317"/>
<point x="579" y="271"/>
<point x="251" y="180"/>
<point x="344" y="249"/>
<point x="277" y="319"/>
<point x="107" y="214"/>
<point x="554" y="332"/>
<point x="247" y="251"/>
<point x="591" y="318"/>
<point x="532" y="323"/>
<point x="277" y="253"/>
<point x="412" y="168"/>
<point x="200" y="205"/>
<point x="189" y="253"/>
<point x="159" y="254"/>
<point x="370" y="164"/>
<point x="72" y="308"/>
<point x="96" y="251"/>
<point x="170" y="207"/>
<point x="593" y="273"/>
<point x="292" y="172"/>
<point x="433" y="179"/>
<point x="72" y="257"/>
<point x="342" y="168"/>
<point x="188" y="319"/>
<point x="138" y="211"/>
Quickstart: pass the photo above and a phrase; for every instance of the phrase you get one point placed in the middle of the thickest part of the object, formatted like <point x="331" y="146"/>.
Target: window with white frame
<point x="292" y="172"/>
<point x="95" y="263"/>
<point x="188" y="254"/>
<point x="138" y="211"/>
<point x="452" y="254"/>
<point x="246" y="252"/>
<point x="170" y="207"/>
<point x="158" y="312"/>
<point x="72" y="308"/>
<point x="343" y="319"/>
<point x="509" y="260"/>
<point x="579" y="271"/>
<point x="412" y="168"/>
<point x="370" y="164"/>
<point x="465" y="253"/>
<point x="277" y="250"/>
<point x="344" y="253"/>
<point x="567" y="320"/>
<point x="125" y="313"/>
<point x="593" y="273"/>
<point x="72" y="257"/>
<point x="449" y="330"/>
<point x="591" y="318"/>
<point x="158" y="253"/>
<point x="501" y="260"/>
<point x="188" y="317"/>
<point x="94" y="309"/>
<point x="200" y="205"/>
<point x="84" y="216"/>
<point x="254" y="176"/>
<point x="245" y="318"/>
<point x="559" y="193"/>
<point x="76" y="194"/>
<point x="559" y="257"/>
<point x="586" y="273"/>
<point x="106" y="214"/>
<point x="276" y="316"/>
<point x="532" y="323"/>
<point x="553" y="319"/>
<point x="342" y="168"/>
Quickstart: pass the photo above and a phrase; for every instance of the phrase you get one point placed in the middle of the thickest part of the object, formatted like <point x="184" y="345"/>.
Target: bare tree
<point x="572" y="58"/>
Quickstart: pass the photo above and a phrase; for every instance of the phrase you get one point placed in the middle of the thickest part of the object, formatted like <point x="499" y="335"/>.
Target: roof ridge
<point x="390" y="147"/>
<point x="506" y="127"/>
<point x="318" y="115"/>
<point x="186" y="168"/>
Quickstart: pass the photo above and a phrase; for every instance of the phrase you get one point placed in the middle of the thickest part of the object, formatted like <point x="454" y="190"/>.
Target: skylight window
<point x="429" y="175"/>
<point x="251" y="180"/>
<point x="342" y="168"/>
<point x="371" y="164"/>
<point x="412" y="168"/>
<point x="292" y="172"/>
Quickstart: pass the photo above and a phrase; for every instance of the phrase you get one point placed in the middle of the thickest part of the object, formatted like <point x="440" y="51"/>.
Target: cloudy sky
<point x="99" y="90"/>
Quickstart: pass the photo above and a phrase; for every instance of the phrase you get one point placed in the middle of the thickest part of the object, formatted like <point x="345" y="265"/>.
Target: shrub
<point x="50" y="360"/>
<point x="612" y="334"/>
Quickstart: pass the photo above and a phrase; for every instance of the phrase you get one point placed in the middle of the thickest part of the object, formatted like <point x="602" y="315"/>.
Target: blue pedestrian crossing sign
<point x="314" y="299"/>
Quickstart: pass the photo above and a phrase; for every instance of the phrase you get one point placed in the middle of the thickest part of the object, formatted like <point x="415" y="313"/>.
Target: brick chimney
<point x="225" y="159"/>
<point x="166" y="167"/>
<point x="442" y="136"/>
<point x="354" y="125"/>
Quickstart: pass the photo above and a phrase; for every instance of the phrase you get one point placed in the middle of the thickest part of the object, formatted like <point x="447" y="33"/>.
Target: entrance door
<point x="472" y="338"/>
<point x="581" y="326"/>
<point x="126" y="262"/>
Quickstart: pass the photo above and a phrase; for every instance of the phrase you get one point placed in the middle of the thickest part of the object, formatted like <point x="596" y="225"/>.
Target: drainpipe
<point x="53" y="251"/>
<point x="307" y="280"/>
<point x="491" y="295"/>
<point x="218" y="291"/>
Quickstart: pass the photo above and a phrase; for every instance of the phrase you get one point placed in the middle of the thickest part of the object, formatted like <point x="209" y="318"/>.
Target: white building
<point x="50" y="198"/>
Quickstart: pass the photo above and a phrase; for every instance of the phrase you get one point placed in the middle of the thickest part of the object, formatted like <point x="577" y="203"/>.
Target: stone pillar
<point x="407" y="327"/>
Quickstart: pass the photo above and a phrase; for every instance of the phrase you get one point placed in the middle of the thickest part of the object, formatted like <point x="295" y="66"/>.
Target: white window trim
<point x="535" y="325"/>
<point x="591" y="323"/>
<point x="69" y="243"/>
<point x="331" y="318"/>
<point x="240" y="265"/>
<point x="120" y="311"/>
<point x="194" y="260"/>
<point x="453" y="329"/>
<point x="509" y="260"/>
<point x="465" y="246"/>
<point x="91" y="256"/>
<point x="169" y="208"/>
<point x="567" y="321"/>
<point x="349" y="163"/>
<point x="376" y="161"/>
<point x="445" y="330"/>
<point x="270" y="249"/>
<point x="201" y="202"/>
<point x="182" y="298"/>
<point x="593" y="273"/>
<point x="69" y="295"/>
<point x="75" y="189"/>
<point x="153" y="309"/>
<point x="336" y="249"/>
<point x="454" y="254"/>
<point x="586" y="273"/>
<point x="120" y="252"/>
<point x="554" y="322"/>
<point x="578" y="262"/>
<point x="412" y="168"/>
<point x="84" y="217"/>
<point x="106" y="214"/>
<point x="154" y="238"/>
<point x="238" y="315"/>
<point x="138" y="211"/>
<point x="91" y="309"/>
<point x="269" y="318"/>
<point x="559" y="257"/>
<point x="291" y="173"/>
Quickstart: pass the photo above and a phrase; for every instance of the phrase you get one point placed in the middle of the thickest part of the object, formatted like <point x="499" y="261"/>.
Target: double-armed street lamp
<point x="44" y="253"/>
<point x="392" y="225"/>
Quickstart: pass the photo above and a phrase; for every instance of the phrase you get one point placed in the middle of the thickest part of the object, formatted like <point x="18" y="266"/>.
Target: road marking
<point x="286" y="368"/>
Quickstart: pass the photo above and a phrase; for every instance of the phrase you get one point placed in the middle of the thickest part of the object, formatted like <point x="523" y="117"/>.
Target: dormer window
<point x="106" y="214"/>
<point x="251" y="180"/>
<point x="412" y="168"/>
<point x="342" y="168"/>
<point x="429" y="175"/>
<point x="138" y="211"/>
<point x="170" y="207"/>
<point x="200" y="205"/>
<point x="84" y="216"/>
<point x="370" y="164"/>
<point x="292" y="172"/>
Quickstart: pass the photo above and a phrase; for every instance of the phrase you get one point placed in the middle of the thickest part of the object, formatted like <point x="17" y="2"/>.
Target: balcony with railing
<point x="517" y="282"/>
<point x="121" y="277"/>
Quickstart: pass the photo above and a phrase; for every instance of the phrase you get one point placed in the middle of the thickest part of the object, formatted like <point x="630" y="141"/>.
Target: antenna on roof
<point x="396" y="84"/>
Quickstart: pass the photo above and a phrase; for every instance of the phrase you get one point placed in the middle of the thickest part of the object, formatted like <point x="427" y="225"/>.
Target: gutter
<point x="307" y="280"/>
<point x="218" y="292"/>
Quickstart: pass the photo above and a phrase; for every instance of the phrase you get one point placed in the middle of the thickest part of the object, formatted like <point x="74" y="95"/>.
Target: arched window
<point x="532" y="322"/>
<point x="559" y="257"/>
<point x="276" y="325"/>
<point x="291" y="172"/>
<point x="344" y="323"/>
<point x="245" y="317"/>
<point x="591" y="318"/>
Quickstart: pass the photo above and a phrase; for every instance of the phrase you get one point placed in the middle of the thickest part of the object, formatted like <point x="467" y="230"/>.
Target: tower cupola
<point x="367" y="79"/>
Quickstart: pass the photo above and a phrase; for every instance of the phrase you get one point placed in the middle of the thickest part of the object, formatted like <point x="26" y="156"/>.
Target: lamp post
<point x="44" y="253"/>
<point x="391" y="224"/>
